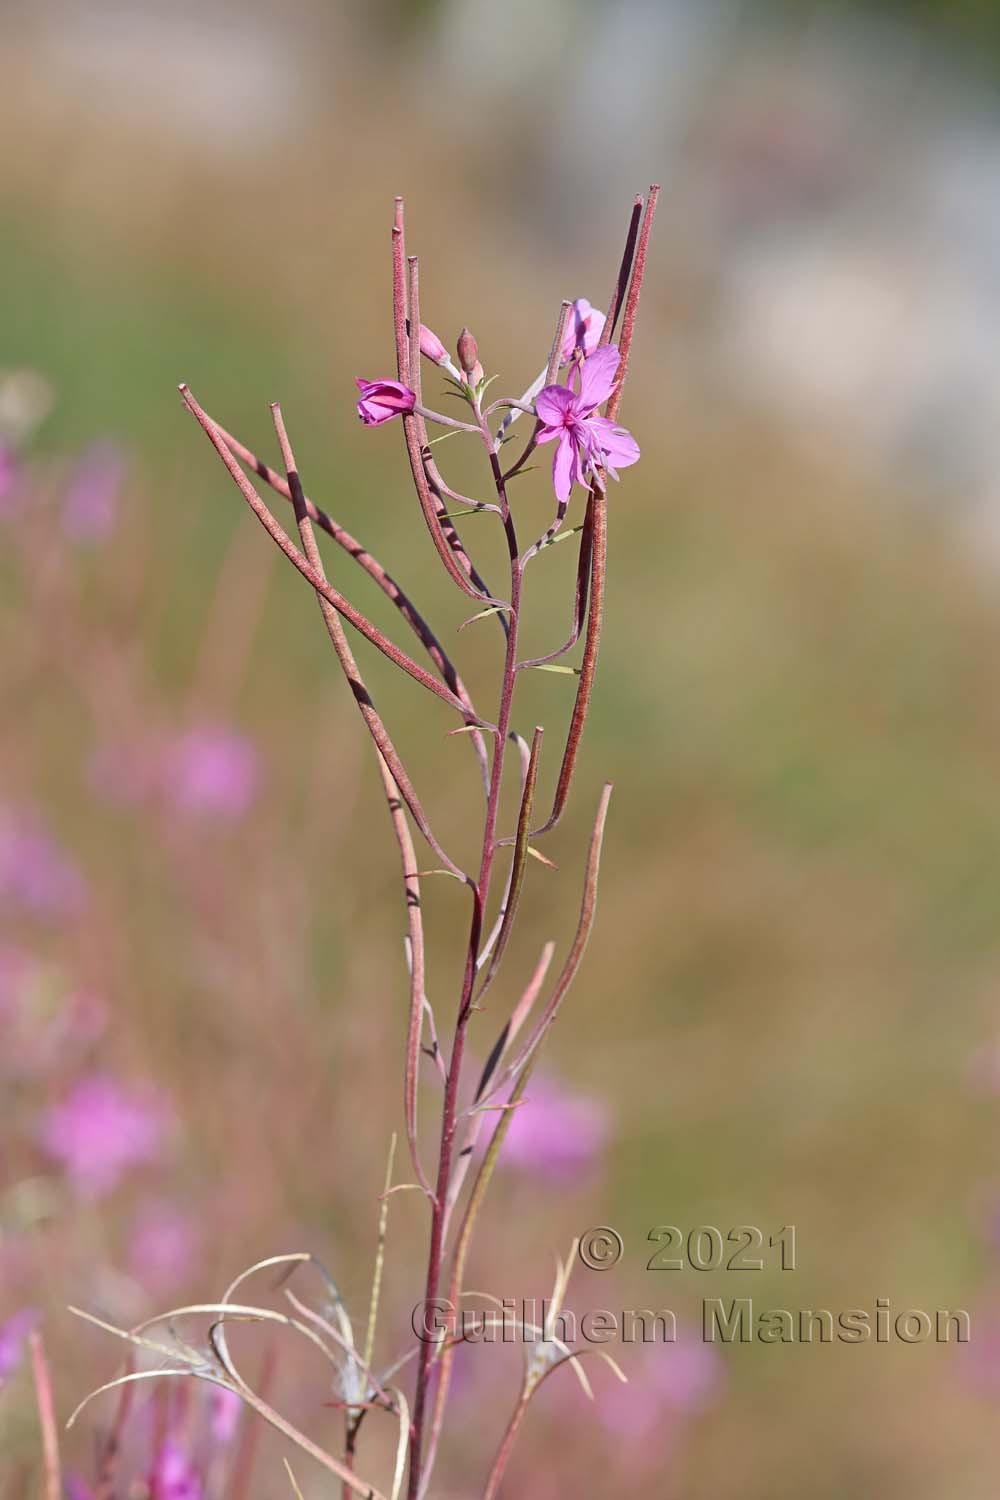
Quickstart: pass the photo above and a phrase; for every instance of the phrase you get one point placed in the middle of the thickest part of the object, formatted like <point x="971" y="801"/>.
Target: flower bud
<point x="432" y="348"/>
<point x="468" y="353"/>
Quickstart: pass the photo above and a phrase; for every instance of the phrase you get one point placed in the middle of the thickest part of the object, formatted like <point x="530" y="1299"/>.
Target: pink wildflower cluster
<point x="173" y="1456"/>
<point x="98" y="1133"/>
<point x="588" y="445"/>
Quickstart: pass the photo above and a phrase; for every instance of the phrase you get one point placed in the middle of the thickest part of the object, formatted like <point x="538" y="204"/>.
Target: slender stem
<point x="488" y="855"/>
<point x="415" y="927"/>
<point x="624" y="271"/>
<point x="345" y="656"/>
<point x="414" y="431"/>
<point x="598" y="506"/>
<point x="46" y="1417"/>
<point x="632" y="301"/>
<point x="439" y="417"/>
<point x="506" y="1446"/>
<point x="580" y="596"/>
<point x="340" y="604"/>
<point x="409" y="611"/>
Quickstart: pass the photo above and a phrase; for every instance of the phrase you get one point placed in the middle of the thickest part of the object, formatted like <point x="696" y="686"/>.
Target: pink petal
<point x="552" y="404"/>
<point x="597" y="378"/>
<point x="565" y="465"/>
<point x="374" y="415"/>
<point x="617" y="444"/>
<point x="584" y="329"/>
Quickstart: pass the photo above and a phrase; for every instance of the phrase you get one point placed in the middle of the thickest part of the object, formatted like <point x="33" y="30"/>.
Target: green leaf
<point x="561" y="536"/>
<point x="551" y="666"/>
<point x="491" y="609"/>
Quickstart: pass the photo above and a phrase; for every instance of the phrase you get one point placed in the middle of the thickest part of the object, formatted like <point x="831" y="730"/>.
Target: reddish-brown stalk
<point x="446" y="545"/>
<point x="294" y="555"/>
<point x="624" y="271"/>
<point x="431" y="491"/>
<point x="521" y="1072"/>
<point x="390" y="768"/>
<point x="597" y="519"/>
<point x="488" y="855"/>
<point x="599" y="553"/>
<point x="413" y="617"/>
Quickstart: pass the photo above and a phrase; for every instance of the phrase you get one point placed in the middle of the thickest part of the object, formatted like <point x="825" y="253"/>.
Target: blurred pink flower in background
<point x="225" y="1409"/>
<point x="212" y="771"/>
<point x="102" y="1130"/>
<point x="162" y="1245"/>
<point x="555" y="1133"/>
<point x="90" y="502"/>
<point x="35" y="873"/>
<point x="583" y="329"/>
<point x="8" y="475"/>
<point x="13" y="1335"/>
<point x="674" y="1382"/>
<point x="174" y="1476"/>
<point x="979" y="1359"/>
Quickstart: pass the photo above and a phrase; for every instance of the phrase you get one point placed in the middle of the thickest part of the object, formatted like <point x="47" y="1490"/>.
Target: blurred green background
<point x="792" y="985"/>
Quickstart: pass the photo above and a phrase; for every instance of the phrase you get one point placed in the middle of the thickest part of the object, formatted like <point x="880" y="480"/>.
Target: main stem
<point x="435" y="1258"/>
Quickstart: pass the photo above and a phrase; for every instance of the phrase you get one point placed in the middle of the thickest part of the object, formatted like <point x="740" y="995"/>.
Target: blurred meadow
<point x="790" y="1009"/>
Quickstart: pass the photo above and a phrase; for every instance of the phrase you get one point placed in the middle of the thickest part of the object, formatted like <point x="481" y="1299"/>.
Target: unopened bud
<point x="468" y="354"/>
<point x="432" y="348"/>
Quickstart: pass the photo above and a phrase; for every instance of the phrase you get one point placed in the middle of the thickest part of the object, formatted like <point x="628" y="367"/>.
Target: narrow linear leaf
<point x="543" y="859"/>
<point x="562" y="536"/>
<point x="548" y="666"/>
<point x="492" y="609"/>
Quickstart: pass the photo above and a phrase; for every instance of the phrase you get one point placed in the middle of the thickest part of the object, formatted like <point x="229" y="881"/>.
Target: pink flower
<point x="583" y="329"/>
<point x="584" y="442"/>
<point x="383" y="399"/>
<point x="556" y="1134"/>
<point x="91" y="500"/>
<point x="669" y="1387"/>
<point x="174" y="1476"/>
<point x="100" y="1131"/>
<point x="35" y="874"/>
<point x="162" y="1246"/>
<point x="225" y="1408"/>
<point x="13" y="1335"/>
<point x="212" y="771"/>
